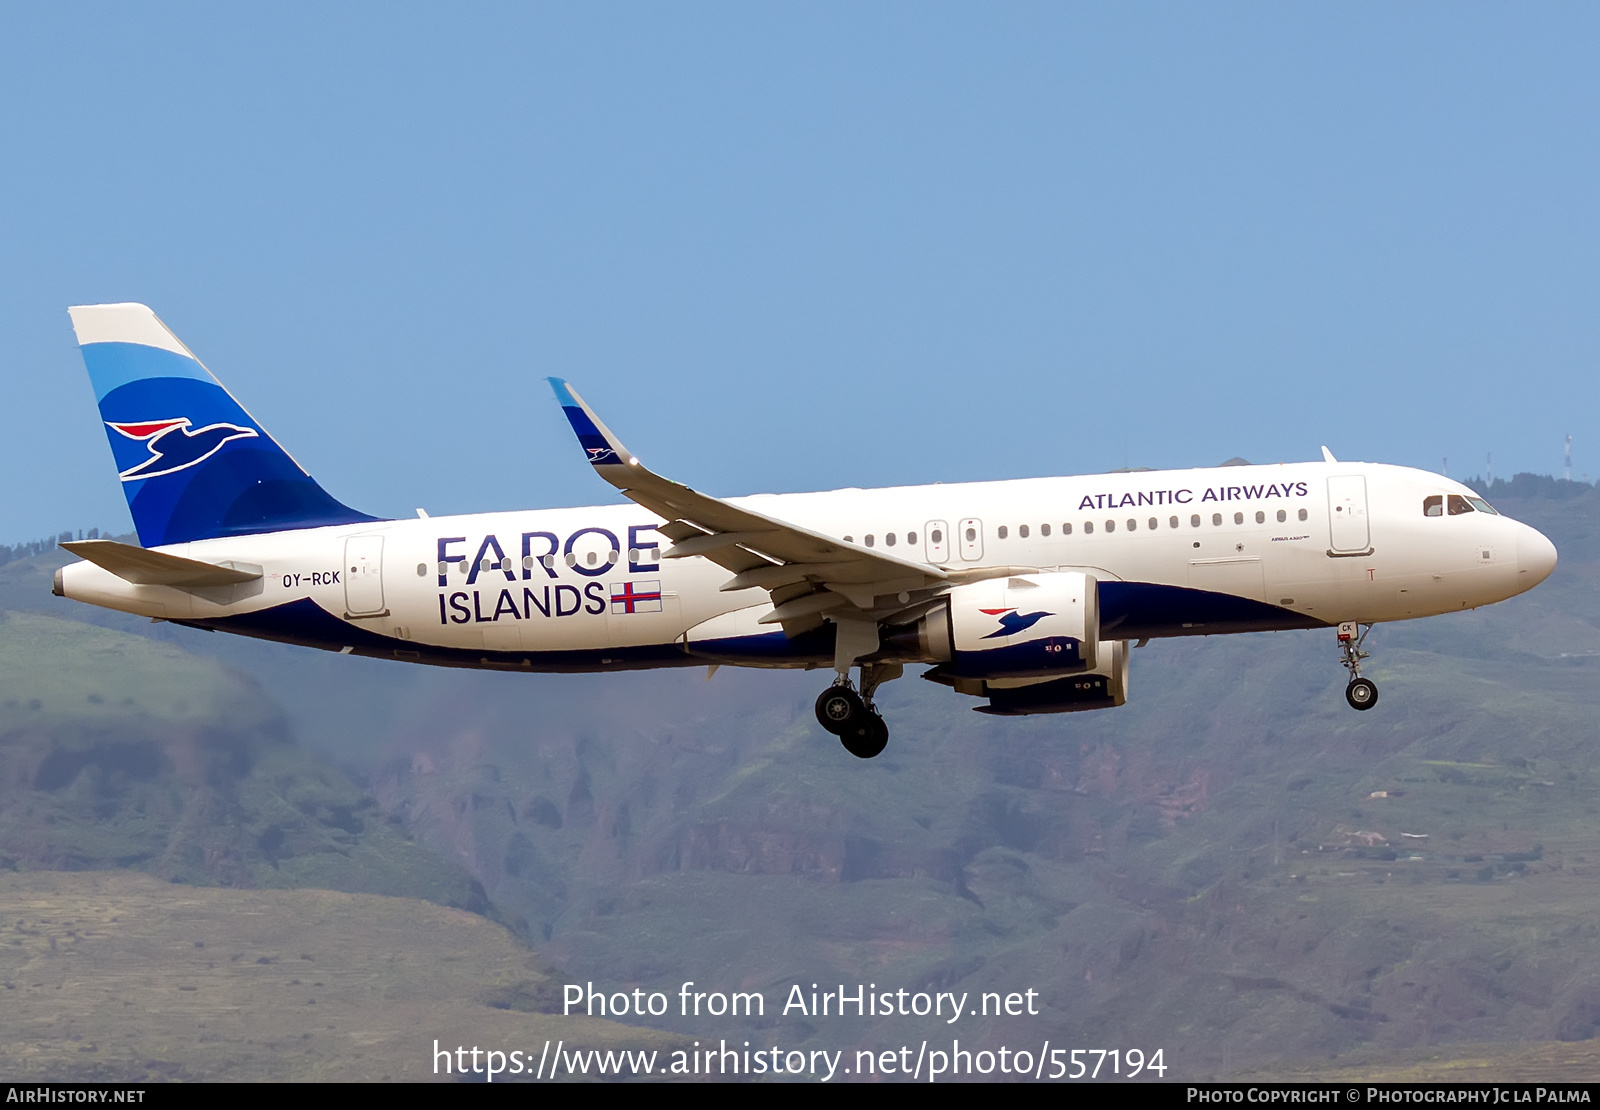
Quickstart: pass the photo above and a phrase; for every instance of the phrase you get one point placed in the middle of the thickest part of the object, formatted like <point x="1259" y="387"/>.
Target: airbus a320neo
<point x="1027" y="593"/>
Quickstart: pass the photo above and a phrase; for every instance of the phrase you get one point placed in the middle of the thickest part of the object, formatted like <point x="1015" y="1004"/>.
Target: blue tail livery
<point x="194" y="465"/>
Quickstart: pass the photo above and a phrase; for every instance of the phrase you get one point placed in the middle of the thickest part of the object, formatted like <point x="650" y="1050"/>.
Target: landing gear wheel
<point x="866" y="738"/>
<point x="1362" y="693"/>
<point x="839" y="709"/>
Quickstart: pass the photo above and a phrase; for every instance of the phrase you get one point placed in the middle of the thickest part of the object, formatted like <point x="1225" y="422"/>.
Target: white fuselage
<point x="1322" y="543"/>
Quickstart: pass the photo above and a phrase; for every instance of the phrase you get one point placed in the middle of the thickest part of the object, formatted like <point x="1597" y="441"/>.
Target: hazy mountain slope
<point x="116" y="751"/>
<point x="1235" y="866"/>
<point x="1206" y="868"/>
<point x="116" y="977"/>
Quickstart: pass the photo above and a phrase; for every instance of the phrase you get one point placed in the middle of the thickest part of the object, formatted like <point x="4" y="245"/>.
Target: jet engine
<point x="1101" y="688"/>
<point x="1022" y="626"/>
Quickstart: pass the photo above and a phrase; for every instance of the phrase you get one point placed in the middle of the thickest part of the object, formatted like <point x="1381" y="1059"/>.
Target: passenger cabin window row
<point x="1153" y="524"/>
<point x="891" y="538"/>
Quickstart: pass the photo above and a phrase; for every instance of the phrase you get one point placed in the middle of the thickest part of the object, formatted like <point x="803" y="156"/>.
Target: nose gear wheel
<point x="1361" y="693"/>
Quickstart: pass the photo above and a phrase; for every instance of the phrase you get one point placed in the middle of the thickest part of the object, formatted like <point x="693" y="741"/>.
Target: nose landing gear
<point x="1361" y="693"/>
<point x="851" y="716"/>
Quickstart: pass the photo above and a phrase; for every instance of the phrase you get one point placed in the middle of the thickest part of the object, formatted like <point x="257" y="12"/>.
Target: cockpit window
<point x="1482" y="506"/>
<point x="1433" y="506"/>
<point x="1459" y="505"/>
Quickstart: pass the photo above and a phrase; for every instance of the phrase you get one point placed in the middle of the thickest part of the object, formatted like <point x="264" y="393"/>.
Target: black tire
<point x="840" y="708"/>
<point x="1362" y="693"/>
<point x="866" y="739"/>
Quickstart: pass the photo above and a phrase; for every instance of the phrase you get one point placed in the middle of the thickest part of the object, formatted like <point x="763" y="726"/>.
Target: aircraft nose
<point x="1536" y="557"/>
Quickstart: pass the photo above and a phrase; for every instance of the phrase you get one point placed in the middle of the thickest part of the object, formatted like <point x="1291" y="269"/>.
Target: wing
<point x="809" y="575"/>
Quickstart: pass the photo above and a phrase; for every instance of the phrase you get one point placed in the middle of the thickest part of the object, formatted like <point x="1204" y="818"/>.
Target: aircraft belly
<point x="1135" y="610"/>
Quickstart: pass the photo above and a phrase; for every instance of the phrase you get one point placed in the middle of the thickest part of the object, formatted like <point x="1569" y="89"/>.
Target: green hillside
<point x="116" y="751"/>
<point x="1234" y="867"/>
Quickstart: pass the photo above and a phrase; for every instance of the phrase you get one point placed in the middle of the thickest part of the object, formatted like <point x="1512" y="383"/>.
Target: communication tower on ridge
<point x="1567" y="470"/>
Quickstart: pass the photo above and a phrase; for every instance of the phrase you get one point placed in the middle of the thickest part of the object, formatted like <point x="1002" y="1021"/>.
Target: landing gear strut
<point x="1361" y="693"/>
<point x="851" y="716"/>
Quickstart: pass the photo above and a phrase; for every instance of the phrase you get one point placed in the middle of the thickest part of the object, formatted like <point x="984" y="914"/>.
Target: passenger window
<point x="1111" y="526"/>
<point x="1154" y="524"/>
<point x="1044" y="529"/>
<point x="1238" y="518"/>
<point x="849" y="539"/>
<point x="1302" y="514"/>
<point x="1194" y="521"/>
<point x="911" y="537"/>
<point x="1066" y="529"/>
<point x="1282" y="516"/>
<point x="1216" y="520"/>
<point x="1133" y="525"/>
<point x="1173" y="523"/>
<point x="1022" y="532"/>
<point x="869" y="539"/>
<point x="1458" y="505"/>
<point x="1002" y="532"/>
<point x="1261" y="518"/>
<point x="1433" y="506"/>
<point x="889" y="539"/>
<point x="1088" y="527"/>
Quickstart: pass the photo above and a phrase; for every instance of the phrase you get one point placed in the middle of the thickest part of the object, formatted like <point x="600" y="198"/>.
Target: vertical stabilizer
<point x="194" y="465"/>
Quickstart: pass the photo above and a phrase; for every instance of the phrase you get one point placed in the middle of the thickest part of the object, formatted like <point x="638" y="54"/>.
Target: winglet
<point x="1327" y="456"/>
<point x="603" y="447"/>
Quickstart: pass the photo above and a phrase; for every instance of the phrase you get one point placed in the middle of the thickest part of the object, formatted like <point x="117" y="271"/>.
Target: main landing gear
<point x="1361" y="693"/>
<point x="851" y="716"/>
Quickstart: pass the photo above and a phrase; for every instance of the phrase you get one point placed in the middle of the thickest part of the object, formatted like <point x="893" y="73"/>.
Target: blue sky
<point x="797" y="246"/>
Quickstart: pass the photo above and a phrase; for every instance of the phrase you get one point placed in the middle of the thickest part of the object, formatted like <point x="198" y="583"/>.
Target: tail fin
<point x="193" y="463"/>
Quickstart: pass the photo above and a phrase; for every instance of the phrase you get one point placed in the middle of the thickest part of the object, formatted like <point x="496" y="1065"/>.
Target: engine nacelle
<point x="1023" y="626"/>
<point x="1102" y="688"/>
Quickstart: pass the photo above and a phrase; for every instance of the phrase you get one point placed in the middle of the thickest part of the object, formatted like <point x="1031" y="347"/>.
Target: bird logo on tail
<point x="173" y="446"/>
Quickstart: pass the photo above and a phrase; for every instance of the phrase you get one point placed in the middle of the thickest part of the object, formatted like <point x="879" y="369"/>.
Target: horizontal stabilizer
<point x="156" y="568"/>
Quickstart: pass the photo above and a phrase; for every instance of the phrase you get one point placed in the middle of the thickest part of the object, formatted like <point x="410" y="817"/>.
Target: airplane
<point x="1028" y="593"/>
